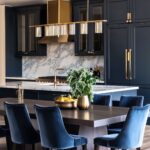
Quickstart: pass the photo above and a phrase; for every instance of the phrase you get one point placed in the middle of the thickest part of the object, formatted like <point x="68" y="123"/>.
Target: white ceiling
<point x="21" y="2"/>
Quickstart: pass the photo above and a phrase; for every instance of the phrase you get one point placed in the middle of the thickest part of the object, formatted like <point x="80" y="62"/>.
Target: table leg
<point x="90" y="133"/>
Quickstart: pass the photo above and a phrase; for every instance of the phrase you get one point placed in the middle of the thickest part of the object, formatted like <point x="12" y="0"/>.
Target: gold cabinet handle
<point x="126" y="64"/>
<point x="129" y="17"/>
<point x="130" y="63"/>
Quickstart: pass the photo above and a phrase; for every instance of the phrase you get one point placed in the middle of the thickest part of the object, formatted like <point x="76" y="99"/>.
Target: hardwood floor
<point x="146" y="143"/>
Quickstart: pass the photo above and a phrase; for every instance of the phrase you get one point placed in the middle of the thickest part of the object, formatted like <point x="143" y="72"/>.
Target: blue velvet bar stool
<point x="102" y="100"/>
<point x="21" y="129"/>
<point x="52" y="130"/>
<point x="125" y="101"/>
<point x="131" y="135"/>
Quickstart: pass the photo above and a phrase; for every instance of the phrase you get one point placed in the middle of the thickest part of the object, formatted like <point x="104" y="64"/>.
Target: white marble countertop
<point x="97" y="89"/>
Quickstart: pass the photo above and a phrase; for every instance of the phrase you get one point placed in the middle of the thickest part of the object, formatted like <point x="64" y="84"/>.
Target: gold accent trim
<point x="130" y="64"/>
<point x="77" y="22"/>
<point x="126" y="64"/>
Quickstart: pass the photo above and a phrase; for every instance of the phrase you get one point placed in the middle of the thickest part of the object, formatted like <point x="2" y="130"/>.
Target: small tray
<point x="67" y="105"/>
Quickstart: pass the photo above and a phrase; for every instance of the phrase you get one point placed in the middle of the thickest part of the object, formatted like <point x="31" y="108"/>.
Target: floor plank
<point x="145" y="146"/>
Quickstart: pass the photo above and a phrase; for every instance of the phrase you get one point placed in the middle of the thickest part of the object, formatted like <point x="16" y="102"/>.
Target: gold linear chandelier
<point x="68" y="28"/>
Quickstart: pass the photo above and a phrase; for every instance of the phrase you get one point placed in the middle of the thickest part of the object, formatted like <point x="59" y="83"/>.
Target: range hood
<point x="58" y="12"/>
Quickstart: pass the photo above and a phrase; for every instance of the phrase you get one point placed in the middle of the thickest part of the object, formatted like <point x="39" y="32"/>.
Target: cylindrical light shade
<point x="98" y="27"/>
<point x="83" y="28"/>
<point x="64" y="29"/>
<point x="38" y="32"/>
<point x="56" y="30"/>
<point x="46" y="31"/>
<point x="72" y="29"/>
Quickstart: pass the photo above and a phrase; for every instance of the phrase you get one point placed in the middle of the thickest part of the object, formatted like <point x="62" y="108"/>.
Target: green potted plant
<point x="81" y="82"/>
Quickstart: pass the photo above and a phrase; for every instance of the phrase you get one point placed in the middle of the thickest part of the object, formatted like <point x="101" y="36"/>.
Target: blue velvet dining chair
<point x="132" y="133"/>
<point x="102" y="100"/>
<point x="4" y="132"/>
<point x="21" y="129"/>
<point x="125" y="101"/>
<point x="52" y="130"/>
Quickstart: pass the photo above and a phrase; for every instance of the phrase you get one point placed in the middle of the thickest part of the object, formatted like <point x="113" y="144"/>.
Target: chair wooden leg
<point x="84" y="147"/>
<point x="96" y="147"/>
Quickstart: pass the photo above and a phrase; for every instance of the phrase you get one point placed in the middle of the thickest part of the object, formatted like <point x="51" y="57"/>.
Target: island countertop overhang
<point x="97" y="89"/>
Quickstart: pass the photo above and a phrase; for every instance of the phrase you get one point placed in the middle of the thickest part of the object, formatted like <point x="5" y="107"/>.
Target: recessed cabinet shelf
<point x="27" y="43"/>
<point x="91" y="43"/>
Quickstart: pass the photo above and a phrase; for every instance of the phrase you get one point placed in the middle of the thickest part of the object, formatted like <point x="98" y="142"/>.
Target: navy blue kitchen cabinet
<point x="13" y="63"/>
<point x="117" y="11"/>
<point x="27" y="43"/>
<point x="133" y="35"/>
<point x="140" y="10"/>
<point x="31" y="94"/>
<point x="118" y="43"/>
<point x="141" y="53"/>
<point x="128" y="11"/>
<point x="128" y="54"/>
<point x="128" y="42"/>
<point x="91" y="43"/>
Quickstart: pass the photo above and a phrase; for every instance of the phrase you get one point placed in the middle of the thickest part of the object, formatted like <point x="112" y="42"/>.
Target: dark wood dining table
<point x="92" y="122"/>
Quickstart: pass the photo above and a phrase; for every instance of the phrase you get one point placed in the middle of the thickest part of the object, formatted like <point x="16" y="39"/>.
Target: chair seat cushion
<point x="105" y="140"/>
<point x="114" y="131"/>
<point x="79" y="140"/>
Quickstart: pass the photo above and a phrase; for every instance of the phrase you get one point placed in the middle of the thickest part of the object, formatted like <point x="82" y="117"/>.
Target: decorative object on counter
<point x="81" y="82"/>
<point x="83" y="102"/>
<point x="96" y="72"/>
<point x="20" y="93"/>
<point x="66" y="102"/>
<point x="55" y="75"/>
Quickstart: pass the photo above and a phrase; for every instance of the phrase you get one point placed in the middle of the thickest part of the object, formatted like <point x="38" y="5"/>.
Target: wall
<point x="2" y="45"/>
<point x="58" y="56"/>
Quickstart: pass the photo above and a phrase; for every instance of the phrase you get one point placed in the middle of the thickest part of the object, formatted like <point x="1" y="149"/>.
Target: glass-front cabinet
<point x="87" y="42"/>
<point x="27" y="43"/>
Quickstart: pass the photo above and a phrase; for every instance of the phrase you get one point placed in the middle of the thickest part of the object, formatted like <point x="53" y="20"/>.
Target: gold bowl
<point x="66" y="102"/>
<point x="67" y="105"/>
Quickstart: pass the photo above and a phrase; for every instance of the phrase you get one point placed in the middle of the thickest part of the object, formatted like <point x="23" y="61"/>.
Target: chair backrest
<point x="52" y="130"/>
<point x="102" y="100"/>
<point x="21" y="129"/>
<point x="132" y="133"/>
<point x="129" y="101"/>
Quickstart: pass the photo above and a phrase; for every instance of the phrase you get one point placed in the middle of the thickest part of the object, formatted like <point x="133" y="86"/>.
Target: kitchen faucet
<point x="55" y="76"/>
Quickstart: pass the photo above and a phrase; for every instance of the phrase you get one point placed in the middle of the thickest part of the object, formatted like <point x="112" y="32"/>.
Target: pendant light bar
<point x="69" y="28"/>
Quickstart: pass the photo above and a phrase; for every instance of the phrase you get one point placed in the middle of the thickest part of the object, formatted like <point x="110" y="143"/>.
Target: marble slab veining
<point x="58" y="56"/>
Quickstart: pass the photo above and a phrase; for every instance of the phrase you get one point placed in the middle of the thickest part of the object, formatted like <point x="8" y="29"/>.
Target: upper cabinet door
<point x="117" y="11"/>
<point x="141" y="10"/>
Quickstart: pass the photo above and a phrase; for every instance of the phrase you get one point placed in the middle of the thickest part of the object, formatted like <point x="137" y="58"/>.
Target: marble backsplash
<point x="58" y="56"/>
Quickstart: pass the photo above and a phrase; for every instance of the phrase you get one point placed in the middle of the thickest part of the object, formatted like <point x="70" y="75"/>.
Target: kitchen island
<point x="47" y="91"/>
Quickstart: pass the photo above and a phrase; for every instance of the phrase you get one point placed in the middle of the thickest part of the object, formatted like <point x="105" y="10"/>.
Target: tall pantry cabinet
<point x="128" y="44"/>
